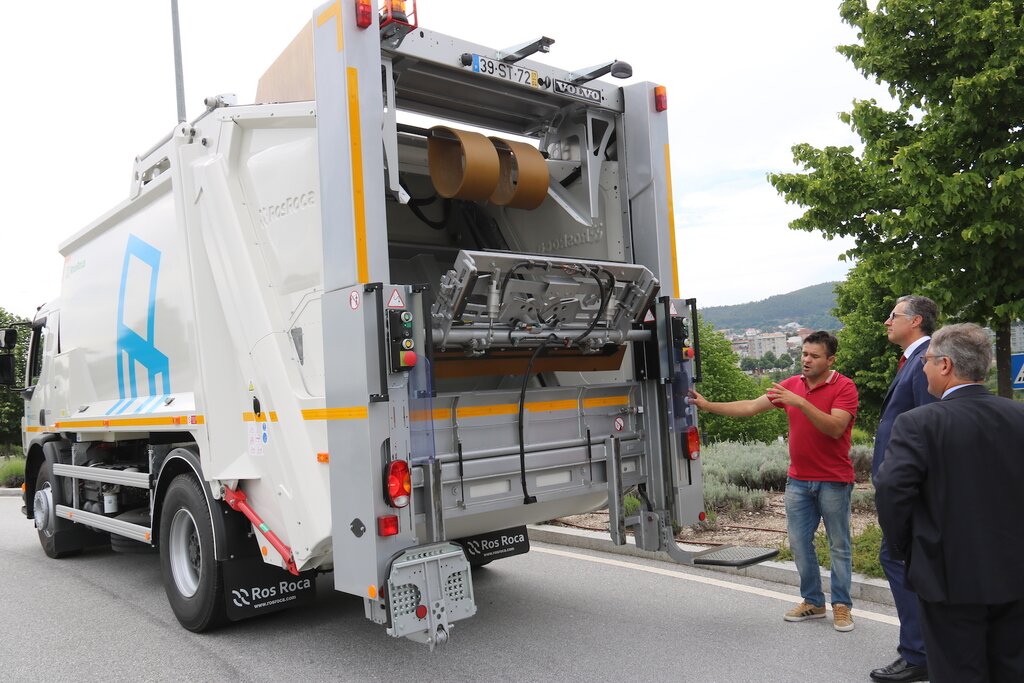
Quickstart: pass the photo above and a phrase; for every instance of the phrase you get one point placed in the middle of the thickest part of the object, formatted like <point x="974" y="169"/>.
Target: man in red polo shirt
<point x="821" y="405"/>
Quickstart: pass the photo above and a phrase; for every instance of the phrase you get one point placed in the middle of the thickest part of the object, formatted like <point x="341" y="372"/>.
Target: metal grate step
<point x="735" y="556"/>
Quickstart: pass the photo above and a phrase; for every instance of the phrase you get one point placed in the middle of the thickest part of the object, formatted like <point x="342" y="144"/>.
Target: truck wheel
<point x="44" y="509"/>
<point x="192" y="576"/>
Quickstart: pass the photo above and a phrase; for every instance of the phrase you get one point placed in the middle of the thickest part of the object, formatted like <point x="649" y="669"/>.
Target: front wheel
<point x="44" y="510"/>
<point x="191" y="574"/>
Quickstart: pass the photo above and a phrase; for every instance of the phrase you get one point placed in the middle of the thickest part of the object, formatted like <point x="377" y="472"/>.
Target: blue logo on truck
<point x="133" y="349"/>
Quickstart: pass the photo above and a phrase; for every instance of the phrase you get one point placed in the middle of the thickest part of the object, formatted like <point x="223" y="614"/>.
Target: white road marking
<point x="753" y="590"/>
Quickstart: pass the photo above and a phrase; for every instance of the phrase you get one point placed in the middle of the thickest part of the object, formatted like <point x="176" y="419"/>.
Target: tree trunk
<point x="1003" y="358"/>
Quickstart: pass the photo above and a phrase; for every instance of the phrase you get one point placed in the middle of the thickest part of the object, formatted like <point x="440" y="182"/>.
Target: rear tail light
<point x="693" y="443"/>
<point x="398" y="480"/>
<point x="387" y="525"/>
<point x="660" y="98"/>
<point x="364" y="13"/>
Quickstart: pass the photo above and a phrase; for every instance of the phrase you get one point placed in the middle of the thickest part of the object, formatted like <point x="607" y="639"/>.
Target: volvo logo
<point x="580" y="92"/>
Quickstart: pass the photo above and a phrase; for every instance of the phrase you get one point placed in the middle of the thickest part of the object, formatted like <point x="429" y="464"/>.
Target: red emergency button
<point x="408" y="359"/>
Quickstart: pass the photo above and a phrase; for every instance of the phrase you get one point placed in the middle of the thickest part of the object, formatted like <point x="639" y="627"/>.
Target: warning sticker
<point x="353" y="301"/>
<point x="619" y="424"/>
<point x="396" y="300"/>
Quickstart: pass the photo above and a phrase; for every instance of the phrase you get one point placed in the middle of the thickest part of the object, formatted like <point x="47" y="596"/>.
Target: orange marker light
<point x="364" y="13"/>
<point x="371" y="591"/>
<point x="323" y="457"/>
<point x="660" y="98"/>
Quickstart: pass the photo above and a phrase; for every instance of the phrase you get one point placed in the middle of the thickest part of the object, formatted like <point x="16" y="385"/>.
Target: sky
<point x="88" y="86"/>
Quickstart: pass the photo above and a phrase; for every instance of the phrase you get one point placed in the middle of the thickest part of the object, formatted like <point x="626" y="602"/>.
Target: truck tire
<point x="191" y="574"/>
<point x="44" y="504"/>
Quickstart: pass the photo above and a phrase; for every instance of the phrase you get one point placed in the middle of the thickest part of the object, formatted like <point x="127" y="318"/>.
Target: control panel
<point x="401" y="346"/>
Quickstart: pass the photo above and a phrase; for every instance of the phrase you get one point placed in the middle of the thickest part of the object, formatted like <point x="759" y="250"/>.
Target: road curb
<point x="861" y="588"/>
<point x="10" y="492"/>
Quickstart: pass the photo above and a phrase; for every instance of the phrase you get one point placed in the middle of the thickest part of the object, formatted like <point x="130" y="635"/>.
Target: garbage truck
<point x="420" y="295"/>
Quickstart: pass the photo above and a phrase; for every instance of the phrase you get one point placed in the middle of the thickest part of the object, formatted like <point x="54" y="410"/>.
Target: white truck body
<point x="244" y="318"/>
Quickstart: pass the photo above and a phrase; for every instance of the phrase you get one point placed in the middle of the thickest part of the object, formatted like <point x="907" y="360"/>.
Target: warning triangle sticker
<point x="396" y="300"/>
<point x="672" y="308"/>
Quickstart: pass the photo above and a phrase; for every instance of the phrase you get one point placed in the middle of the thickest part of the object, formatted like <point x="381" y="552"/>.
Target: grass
<point x="865" y="548"/>
<point x="12" y="471"/>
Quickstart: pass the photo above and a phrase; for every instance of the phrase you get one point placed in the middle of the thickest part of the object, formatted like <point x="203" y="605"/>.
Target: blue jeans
<point x="808" y="503"/>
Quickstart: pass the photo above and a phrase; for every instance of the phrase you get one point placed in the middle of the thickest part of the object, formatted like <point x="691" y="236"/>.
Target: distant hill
<point x="811" y="307"/>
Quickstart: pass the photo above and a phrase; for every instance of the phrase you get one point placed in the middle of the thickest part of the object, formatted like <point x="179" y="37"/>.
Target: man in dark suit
<point x="909" y="326"/>
<point x="948" y="497"/>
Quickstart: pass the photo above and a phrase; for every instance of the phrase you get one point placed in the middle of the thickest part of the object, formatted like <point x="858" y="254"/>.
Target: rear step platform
<point x="734" y="556"/>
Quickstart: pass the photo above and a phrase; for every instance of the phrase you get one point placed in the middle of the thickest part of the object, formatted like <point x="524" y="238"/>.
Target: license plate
<point x="505" y="71"/>
<point x="497" y="544"/>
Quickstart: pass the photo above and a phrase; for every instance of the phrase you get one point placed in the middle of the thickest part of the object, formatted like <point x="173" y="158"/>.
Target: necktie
<point x="899" y="366"/>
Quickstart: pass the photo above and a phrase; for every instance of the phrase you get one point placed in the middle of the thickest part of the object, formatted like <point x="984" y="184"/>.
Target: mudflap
<point x="252" y="587"/>
<point x="429" y="587"/>
<point x="495" y="545"/>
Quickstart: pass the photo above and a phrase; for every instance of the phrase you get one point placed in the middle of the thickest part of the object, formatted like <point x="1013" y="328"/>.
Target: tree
<point x="935" y="201"/>
<point x="783" y="361"/>
<point x="748" y="364"/>
<point x="11" y="405"/>
<point x="723" y="381"/>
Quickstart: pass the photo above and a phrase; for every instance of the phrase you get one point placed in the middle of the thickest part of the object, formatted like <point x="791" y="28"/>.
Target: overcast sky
<point x="89" y="85"/>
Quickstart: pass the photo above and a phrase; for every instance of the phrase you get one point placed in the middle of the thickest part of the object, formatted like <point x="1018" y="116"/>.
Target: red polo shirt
<point x="813" y="455"/>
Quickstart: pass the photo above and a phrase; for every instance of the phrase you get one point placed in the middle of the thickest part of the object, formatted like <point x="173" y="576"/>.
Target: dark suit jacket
<point x="950" y="495"/>
<point x="909" y="389"/>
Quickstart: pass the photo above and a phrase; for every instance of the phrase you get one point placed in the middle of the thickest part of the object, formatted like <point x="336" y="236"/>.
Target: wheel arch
<point x="230" y="529"/>
<point x="39" y="452"/>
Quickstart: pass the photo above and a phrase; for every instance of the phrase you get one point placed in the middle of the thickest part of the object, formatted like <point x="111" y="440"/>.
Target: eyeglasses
<point x="893" y="314"/>
<point x="925" y="358"/>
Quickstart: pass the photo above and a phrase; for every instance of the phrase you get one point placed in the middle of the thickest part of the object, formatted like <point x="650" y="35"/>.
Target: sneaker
<point x="805" y="611"/>
<point x="842" y="620"/>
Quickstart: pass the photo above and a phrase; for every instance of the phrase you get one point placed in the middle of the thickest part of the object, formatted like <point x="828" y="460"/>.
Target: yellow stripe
<point x="671" y="224"/>
<point x="487" y="411"/>
<point x="435" y="414"/>
<point x="606" y="401"/>
<point x="334" y="11"/>
<point x="251" y="417"/>
<point x="354" y="413"/>
<point x="545" y="406"/>
<point x="163" y="421"/>
<point x="35" y="429"/>
<point x="355" y="143"/>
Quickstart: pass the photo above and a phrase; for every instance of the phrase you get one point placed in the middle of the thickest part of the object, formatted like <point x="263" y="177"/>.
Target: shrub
<point x="12" y="472"/>
<point x="864" y="546"/>
<point x="630" y="504"/>
<point x="861" y="437"/>
<point x="862" y="457"/>
<point x="863" y="501"/>
<point x="747" y="465"/>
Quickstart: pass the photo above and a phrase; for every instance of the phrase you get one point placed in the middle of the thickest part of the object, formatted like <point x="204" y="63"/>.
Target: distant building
<point x="741" y="348"/>
<point x="794" y="342"/>
<point x="803" y="332"/>
<point x="770" y="341"/>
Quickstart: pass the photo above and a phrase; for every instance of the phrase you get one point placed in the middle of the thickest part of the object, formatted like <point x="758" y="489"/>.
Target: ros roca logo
<point x="241" y="597"/>
<point x="473" y="547"/>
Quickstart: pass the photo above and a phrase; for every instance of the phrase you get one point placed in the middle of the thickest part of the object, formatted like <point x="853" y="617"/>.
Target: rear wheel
<point x="191" y="574"/>
<point x="44" y="509"/>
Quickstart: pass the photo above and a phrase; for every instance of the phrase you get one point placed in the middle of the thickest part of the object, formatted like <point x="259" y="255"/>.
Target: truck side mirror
<point x="7" y="369"/>
<point x="8" y="338"/>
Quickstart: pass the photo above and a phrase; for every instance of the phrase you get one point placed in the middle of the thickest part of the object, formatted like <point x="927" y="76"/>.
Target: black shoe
<point x="900" y="670"/>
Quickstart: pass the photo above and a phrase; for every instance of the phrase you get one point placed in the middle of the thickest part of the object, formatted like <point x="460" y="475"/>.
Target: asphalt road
<point x="554" y="614"/>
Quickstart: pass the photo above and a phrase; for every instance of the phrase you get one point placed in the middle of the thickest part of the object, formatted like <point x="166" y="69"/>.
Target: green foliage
<point x="935" y="201"/>
<point x="12" y="472"/>
<point x="746" y="465"/>
<point x="12" y="407"/>
<point x="863" y="500"/>
<point x="810" y="306"/>
<point x="630" y="504"/>
<point x="862" y="455"/>
<point x="861" y="437"/>
<point x="723" y="381"/>
<point x="865" y="547"/>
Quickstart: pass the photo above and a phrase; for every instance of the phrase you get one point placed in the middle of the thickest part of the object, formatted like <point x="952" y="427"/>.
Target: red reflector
<point x="364" y="13"/>
<point x="399" y="483"/>
<point x="693" y="443"/>
<point x="702" y="516"/>
<point x="421" y="611"/>
<point x="660" y="98"/>
<point x="387" y="525"/>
